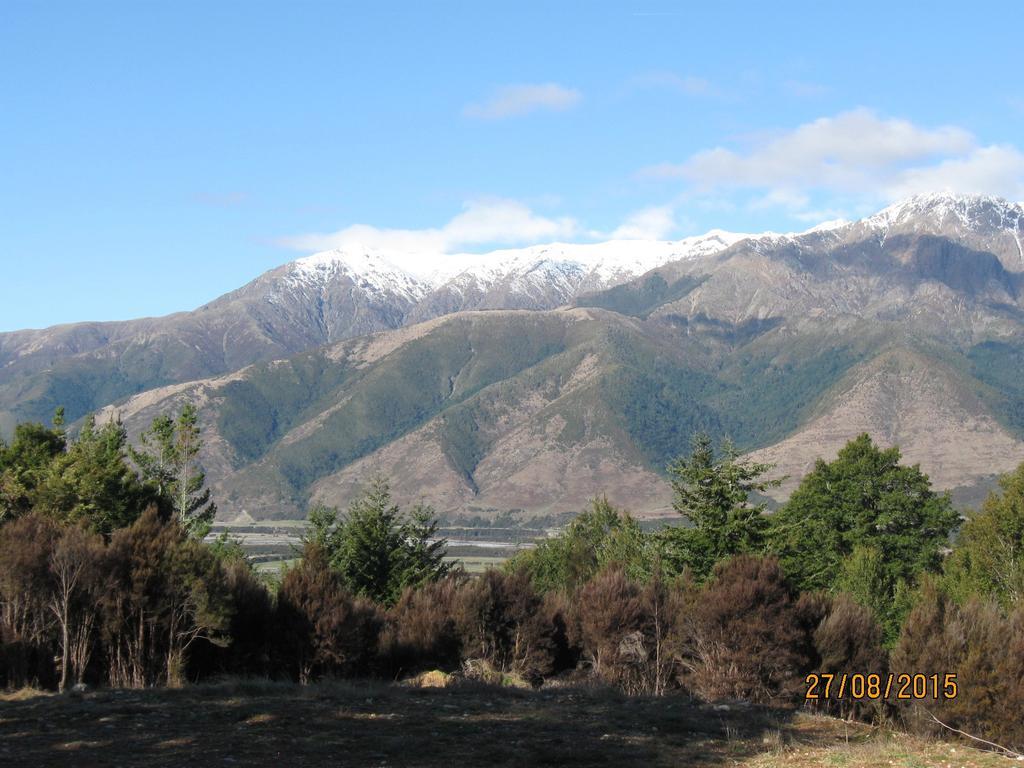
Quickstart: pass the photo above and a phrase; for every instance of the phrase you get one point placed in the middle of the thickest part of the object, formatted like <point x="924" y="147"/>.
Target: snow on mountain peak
<point x="967" y="211"/>
<point x="827" y="226"/>
<point x="370" y="268"/>
<point x="562" y="265"/>
<point x="566" y="268"/>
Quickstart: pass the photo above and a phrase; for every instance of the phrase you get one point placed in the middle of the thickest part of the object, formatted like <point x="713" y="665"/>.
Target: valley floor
<point x="267" y="724"/>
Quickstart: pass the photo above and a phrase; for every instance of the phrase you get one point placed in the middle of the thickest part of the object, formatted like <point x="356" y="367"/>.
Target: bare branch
<point x="1000" y="747"/>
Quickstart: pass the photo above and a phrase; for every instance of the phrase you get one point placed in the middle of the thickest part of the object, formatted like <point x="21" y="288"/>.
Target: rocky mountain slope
<point x="908" y="324"/>
<point x="315" y="300"/>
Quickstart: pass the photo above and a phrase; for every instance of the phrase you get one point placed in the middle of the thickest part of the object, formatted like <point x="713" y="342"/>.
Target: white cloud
<point x="847" y="152"/>
<point x="857" y="156"/>
<point x="488" y="223"/>
<point x="655" y="223"/>
<point x="997" y="169"/>
<point x="481" y="223"/>
<point x="513" y="100"/>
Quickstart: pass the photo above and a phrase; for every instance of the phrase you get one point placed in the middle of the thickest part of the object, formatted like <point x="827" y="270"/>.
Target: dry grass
<point x="811" y="742"/>
<point x="435" y="678"/>
<point x="22" y="694"/>
<point x="261" y="723"/>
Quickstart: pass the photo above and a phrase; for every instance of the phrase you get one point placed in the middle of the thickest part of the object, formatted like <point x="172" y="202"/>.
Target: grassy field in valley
<point x="258" y="723"/>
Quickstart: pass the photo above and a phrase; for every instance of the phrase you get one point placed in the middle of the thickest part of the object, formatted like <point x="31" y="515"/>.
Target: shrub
<point x="26" y="622"/>
<point x="132" y="610"/>
<point x="249" y="630"/>
<point x="163" y="592"/>
<point x="75" y="569"/>
<point x="849" y="641"/>
<point x="744" y="639"/>
<point x="500" y="620"/>
<point x="983" y="648"/>
<point x="626" y="631"/>
<point x="421" y="632"/>
<point x="609" y="609"/>
<point x="320" y="628"/>
<point x="556" y="611"/>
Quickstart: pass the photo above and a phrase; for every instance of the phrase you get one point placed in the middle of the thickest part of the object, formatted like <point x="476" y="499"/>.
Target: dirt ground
<point x="333" y="724"/>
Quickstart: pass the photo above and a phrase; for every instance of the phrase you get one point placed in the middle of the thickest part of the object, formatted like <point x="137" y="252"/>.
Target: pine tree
<point x="92" y="482"/>
<point x="370" y="541"/>
<point x="424" y="550"/>
<point x="712" y="491"/>
<point x="376" y="548"/>
<point x="155" y="458"/>
<point x="25" y="463"/>
<point x="191" y="500"/>
<point x="169" y="463"/>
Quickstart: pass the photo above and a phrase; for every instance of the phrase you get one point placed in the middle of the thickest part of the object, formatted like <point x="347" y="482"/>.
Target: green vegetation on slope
<point x="640" y="297"/>
<point x="767" y="398"/>
<point x="1000" y="364"/>
<point x="260" y="408"/>
<point x="78" y="389"/>
<point x="402" y="391"/>
<point x="758" y="395"/>
<point x="637" y="387"/>
<point x="83" y="384"/>
<point x="464" y="442"/>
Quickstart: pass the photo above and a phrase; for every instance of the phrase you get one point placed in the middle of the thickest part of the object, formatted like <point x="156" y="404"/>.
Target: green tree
<point x="599" y="537"/>
<point x="424" y="549"/>
<point x="988" y="559"/>
<point x="376" y="548"/>
<point x="864" y="499"/>
<point x="712" y="491"/>
<point x="865" y="578"/>
<point x="92" y="483"/>
<point x="25" y="463"/>
<point x="229" y="550"/>
<point x="168" y="459"/>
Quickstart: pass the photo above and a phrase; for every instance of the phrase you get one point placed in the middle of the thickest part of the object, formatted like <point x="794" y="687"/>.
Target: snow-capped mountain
<point x="540" y="276"/>
<point x="546" y="276"/>
<point x="401" y="287"/>
<point x="908" y="325"/>
<point x="327" y="297"/>
<point x="981" y="222"/>
<point x="968" y="212"/>
<point x="370" y="270"/>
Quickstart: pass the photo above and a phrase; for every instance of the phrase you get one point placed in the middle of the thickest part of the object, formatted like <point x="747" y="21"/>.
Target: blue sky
<point x="154" y="155"/>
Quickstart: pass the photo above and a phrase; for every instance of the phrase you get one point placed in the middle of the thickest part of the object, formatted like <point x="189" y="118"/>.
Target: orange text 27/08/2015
<point x="904" y="686"/>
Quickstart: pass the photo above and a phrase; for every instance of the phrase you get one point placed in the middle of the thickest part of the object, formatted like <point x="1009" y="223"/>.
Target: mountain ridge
<point x="495" y="401"/>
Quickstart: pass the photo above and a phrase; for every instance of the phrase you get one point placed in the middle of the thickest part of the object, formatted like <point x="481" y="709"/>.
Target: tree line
<point x="106" y="578"/>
